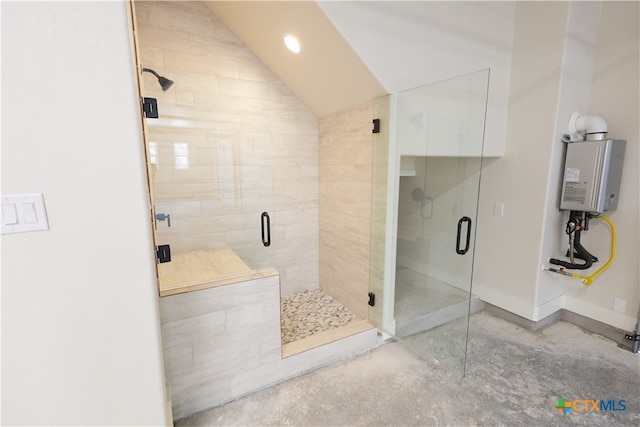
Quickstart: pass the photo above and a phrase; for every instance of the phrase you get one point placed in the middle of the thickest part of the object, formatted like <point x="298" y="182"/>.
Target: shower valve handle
<point x="162" y="217"/>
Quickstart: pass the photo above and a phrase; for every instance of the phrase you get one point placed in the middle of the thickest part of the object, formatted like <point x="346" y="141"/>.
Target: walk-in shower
<point x="233" y="161"/>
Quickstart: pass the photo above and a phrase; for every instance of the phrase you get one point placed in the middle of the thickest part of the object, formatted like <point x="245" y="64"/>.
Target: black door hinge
<point x="632" y="337"/>
<point x="150" y="108"/>
<point x="163" y="252"/>
<point x="376" y="126"/>
<point x="372" y="299"/>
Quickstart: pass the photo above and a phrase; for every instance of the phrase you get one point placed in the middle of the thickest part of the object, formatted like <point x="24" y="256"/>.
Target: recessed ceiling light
<point x="292" y="43"/>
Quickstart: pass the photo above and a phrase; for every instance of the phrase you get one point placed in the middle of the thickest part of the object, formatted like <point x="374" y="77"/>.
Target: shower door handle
<point x="266" y="229"/>
<point x="466" y="247"/>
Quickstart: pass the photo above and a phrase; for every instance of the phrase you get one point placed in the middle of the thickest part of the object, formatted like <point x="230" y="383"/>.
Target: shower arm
<point x="149" y="70"/>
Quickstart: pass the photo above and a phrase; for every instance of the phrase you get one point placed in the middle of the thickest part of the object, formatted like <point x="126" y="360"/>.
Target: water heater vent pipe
<point x="594" y="127"/>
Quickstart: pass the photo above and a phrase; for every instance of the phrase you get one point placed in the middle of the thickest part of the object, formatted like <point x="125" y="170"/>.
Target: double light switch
<point x="22" y="213"/>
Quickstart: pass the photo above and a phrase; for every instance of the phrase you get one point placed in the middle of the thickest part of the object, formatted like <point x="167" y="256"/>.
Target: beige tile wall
<point x="345" y="205"/>
<point x="252" y="145"/>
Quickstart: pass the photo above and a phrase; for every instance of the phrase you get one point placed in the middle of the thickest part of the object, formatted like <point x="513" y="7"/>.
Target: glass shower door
<point x="435" y="159"/>
<point x="212" y="194"/>
<point x="213" y="199"/>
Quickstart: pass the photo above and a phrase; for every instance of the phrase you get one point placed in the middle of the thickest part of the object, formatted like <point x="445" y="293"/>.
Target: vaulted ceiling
<point x="327" y="75"/>
<point x="355" y="51"/>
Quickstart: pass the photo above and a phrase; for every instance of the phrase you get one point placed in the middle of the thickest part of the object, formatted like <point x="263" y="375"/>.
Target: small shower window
<point x="181" y="154"/>
<point x="153" y="153"/>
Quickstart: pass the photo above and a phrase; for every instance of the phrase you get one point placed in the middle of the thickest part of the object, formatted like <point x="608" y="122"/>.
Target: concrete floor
<point x="514" y="377"/>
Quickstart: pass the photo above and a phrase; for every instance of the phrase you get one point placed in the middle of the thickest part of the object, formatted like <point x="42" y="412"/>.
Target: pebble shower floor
<point x="310" y="312"/>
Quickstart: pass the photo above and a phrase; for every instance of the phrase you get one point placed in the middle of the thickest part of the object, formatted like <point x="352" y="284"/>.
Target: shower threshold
<point x="326" y="337"/>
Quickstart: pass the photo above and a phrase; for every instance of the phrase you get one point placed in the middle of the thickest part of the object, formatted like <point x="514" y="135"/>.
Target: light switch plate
<point x="23" y="212"/>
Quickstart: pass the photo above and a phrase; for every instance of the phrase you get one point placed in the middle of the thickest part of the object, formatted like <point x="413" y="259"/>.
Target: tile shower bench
<point x="192" y="271"/>
<point x="221" y="338"/>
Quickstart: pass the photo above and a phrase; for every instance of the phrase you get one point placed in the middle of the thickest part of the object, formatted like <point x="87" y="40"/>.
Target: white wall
<point x="80" y="329"/>
<point x="576" y="74"/>
<point x="546" y="85"/>
<point x="412" y="43"/>
<point x="507" y="247"/>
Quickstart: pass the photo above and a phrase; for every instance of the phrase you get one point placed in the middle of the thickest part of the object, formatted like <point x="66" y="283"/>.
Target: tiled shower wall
<point x="346" y="144"/>
<point x="231" y="139"/>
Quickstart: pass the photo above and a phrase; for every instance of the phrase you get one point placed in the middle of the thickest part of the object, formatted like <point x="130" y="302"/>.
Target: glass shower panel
<point x="378" y="312"/>
<point x="436" y="216"/>
<point x="210" y="162"/>
<point x="213" y="197"/>
<point x="440" y="133"/>
<point x="432" y="186"/>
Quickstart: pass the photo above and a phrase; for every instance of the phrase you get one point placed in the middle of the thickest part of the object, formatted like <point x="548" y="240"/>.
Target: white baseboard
<point x="535" y="313"/>
<point x="503" y="300"/>
<point x="610" y="317"/>
<point x="548" y="308"/>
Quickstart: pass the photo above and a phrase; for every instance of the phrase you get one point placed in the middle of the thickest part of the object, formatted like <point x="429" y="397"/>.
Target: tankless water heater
<point x="592" y="174"/>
